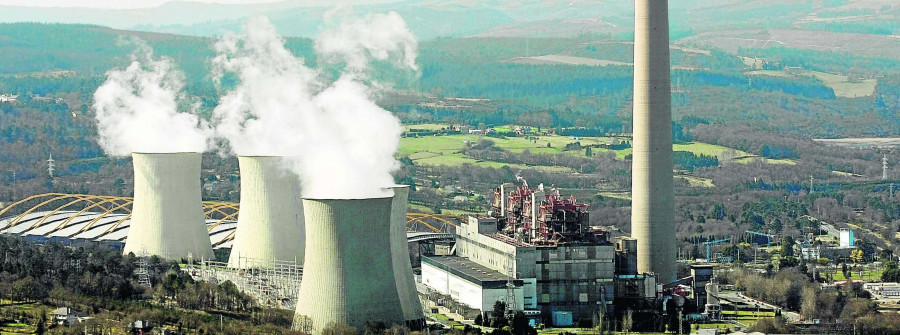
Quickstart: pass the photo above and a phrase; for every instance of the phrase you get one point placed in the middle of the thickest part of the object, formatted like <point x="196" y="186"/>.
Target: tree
<point x="588" y="152"/>
<point x="479" y="319"/>
<point x="374" y="328"/>
<point x="787" y="246"/>
<point x="627" y="321"/>
<point x="338" y="329"/>
<point x="520" y="325"/>
<point x="891" y="272"/>
<point x="498" y="315"/>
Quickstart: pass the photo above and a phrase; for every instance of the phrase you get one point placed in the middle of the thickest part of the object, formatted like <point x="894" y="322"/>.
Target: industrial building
<point x="540" y="241"/>
<point x="270" y="227"/>
<point x="470" y="283"/>
<point x="348" y="273"/>
<point x="167" y="214"/>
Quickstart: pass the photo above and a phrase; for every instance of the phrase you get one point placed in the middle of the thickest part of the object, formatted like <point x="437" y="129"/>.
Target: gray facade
<point x="575" y="278"/>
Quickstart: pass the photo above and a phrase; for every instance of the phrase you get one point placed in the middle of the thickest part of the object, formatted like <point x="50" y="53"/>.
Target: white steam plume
<point x="382" y="37"/>
<point x="137" y="109"/>
<point x="334" y="136"/>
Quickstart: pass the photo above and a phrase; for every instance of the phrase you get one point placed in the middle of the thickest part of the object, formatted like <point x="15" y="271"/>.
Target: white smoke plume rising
<point x="376" y="36"/>
<point x="137" y="109"/>
<point x="336" y="139"/>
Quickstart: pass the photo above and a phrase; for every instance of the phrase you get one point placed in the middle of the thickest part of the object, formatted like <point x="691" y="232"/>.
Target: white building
<point x="468" y="282"/>
<point x="846" y="237"/>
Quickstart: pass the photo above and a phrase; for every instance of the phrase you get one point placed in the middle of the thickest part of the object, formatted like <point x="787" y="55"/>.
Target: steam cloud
<point x="138" y="109"/>
<point x="336" y="139"/>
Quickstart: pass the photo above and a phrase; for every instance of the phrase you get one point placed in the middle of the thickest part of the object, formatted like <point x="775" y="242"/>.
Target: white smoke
<point x="334" y="136"/>
<point x="138" y="109"/>
<point x="376" y="36"/>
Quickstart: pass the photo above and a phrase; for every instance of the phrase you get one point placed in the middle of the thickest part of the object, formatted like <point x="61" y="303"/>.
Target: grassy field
<point x="445" y="150"/>
<point x="840" y="84"/>
<point x="697" y="181"/>
<point x="748" y="160"/>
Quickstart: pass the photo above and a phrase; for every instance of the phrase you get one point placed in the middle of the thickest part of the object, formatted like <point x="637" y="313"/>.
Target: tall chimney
<point x="652" y="206"/>
<point x="167" y="216"/>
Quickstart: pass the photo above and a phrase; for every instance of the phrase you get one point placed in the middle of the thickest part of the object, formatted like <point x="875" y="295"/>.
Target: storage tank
<point x="270" y="224"/>
<point x="406" y="282"/>
<point x="348" y="274"/>
<point x="167" y="214"/>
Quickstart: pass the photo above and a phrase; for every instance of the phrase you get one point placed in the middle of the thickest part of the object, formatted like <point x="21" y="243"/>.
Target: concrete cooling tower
<point x="406" y="282"/>
<point x="348" y="275"/>
<point x="652" y="204"/>
<point x="270" y="224"/>
<point x="167" y="214"/>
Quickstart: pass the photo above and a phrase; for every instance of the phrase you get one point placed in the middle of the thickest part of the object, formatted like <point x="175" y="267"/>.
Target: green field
<point x="445" y="150"/>
<point x="839" y="83"/>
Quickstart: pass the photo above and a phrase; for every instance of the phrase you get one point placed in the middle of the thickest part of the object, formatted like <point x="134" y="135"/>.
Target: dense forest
<point x="98" y="280"/>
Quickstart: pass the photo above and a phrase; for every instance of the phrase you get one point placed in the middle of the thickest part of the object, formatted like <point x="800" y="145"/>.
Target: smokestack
<point x="167" y="216"/>
<point x="652" y="207"/>
<point x="270" y="225"/>
<point x="348" y="275"/>
<point x="406" y="283"/>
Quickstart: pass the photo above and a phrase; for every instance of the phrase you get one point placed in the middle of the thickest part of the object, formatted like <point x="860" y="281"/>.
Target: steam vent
<point x="167" y="216"/>
<point x="270" y="225"/>
<point x="652" y="209"/>
<point x="348" y="275"/>
<point x="406" y="283"/>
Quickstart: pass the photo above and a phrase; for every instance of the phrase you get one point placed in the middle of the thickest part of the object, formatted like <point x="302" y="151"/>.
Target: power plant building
<point x="544" y="241"/>
<point x="167" y="217"/>
<point x="348" y="274"/>
<point x="270" y="224"/>
<point x="652" y="196"/>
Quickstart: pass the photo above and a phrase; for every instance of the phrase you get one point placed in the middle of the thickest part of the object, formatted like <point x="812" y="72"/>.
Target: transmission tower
<point x="143" y="270"/>
<point x="50" y="166"/>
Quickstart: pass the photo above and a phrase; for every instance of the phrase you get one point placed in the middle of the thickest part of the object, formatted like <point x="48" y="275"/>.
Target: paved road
<point x="788" y="315"/>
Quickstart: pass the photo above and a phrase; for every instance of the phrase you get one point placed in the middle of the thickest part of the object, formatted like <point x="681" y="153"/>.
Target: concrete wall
<point x="270" y="224"/>
<point x="348" y="274"/>
<point x="167" y="214"/>
<point x="406" y="283"/>
<point x="652" y="203"/>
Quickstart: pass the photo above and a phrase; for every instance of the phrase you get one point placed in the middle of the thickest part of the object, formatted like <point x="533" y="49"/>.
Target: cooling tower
<point x="652" y="208"/>
<point x="406" y="283"/>
<point x="167" y="214"/>
<point x="348" y="275"/>
<point x="270" y="224"/>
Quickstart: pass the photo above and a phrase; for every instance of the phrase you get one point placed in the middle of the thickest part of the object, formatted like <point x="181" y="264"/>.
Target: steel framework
<point x="53" y="203"/>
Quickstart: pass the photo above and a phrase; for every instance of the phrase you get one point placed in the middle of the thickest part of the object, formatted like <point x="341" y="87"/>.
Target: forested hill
<point x="551" y="82"/>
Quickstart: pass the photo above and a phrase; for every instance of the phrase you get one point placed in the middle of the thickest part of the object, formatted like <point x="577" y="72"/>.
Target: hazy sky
<point x="154" y="3"/>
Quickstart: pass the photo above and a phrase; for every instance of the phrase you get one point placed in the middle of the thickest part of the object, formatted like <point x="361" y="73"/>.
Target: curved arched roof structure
<point x="74" y="217"/>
